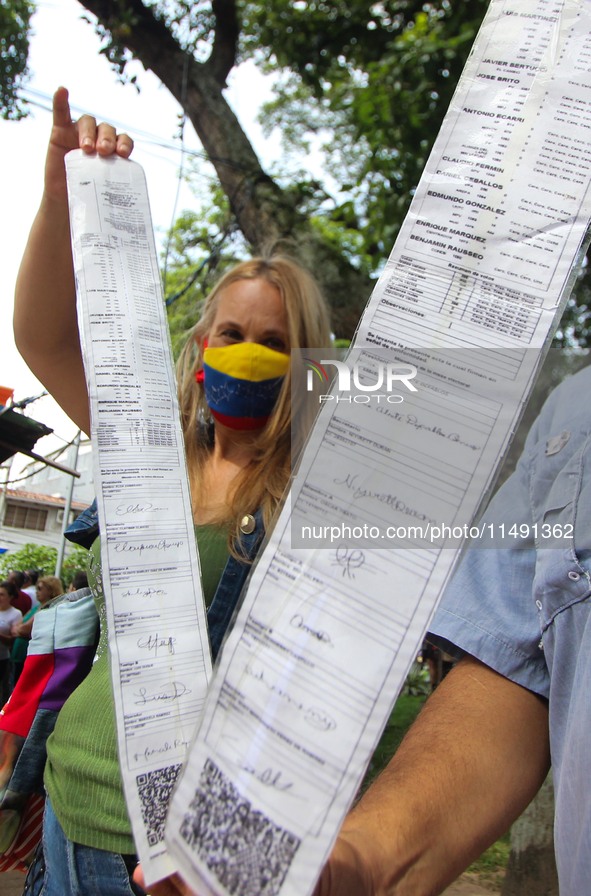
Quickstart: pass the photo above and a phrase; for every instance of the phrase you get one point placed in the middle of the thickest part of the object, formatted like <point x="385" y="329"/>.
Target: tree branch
<point x="196" y="88"/>
<point x="265" y="214"/>
<point x="227" y="31"/>
<point x="134" y="26"/>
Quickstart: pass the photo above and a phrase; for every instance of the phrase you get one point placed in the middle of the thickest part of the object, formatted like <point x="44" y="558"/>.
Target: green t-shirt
<point x="82" y="774"/>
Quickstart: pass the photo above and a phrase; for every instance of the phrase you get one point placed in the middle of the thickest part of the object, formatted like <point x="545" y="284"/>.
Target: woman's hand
<point x="84" y="134"/>
<point x="22" y="629"/>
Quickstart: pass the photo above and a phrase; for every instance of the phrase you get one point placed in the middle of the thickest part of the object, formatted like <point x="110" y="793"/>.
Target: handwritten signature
<point x="349" y="560"/>
<point x="154" y="644"/>
<point x="166" y="747"/>
<point x="174" y="691"/>
<point x="138" y="507"/>
<point x="145" y="592"/>
<point x="313" y="716"/>
<point x="161" y="545"/>
<point x="269" y="777"/>
<point x="298" y="621"/>
<point x="390" y="500"/>
<point x="455" y="437"/>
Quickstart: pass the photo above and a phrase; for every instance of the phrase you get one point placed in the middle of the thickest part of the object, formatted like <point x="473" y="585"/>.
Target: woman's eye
<point x="233" y="335"/>
<point x="276" y="344"/>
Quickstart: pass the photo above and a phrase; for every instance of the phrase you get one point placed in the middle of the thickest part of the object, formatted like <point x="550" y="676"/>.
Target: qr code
<point x="247" y="852"/>
<point x="154" y="789"/>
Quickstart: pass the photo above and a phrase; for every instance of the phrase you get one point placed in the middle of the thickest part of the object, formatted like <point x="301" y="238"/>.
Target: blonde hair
<point x="263" y="481"/>
<point x="54" y="585"/>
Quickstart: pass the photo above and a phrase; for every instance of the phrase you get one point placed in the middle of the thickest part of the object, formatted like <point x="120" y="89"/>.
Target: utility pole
<point x="67" y="508"/>
<point x="6" y="468"/>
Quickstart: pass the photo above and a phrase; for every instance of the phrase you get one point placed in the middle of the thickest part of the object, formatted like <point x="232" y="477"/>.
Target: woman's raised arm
<point x="45" y="321"/>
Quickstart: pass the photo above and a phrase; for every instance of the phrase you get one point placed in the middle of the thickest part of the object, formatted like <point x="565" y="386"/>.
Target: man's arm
<point x="470" y="764"/>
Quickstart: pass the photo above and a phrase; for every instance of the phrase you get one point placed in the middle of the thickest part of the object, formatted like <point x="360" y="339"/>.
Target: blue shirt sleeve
<point x="488" y="609"/>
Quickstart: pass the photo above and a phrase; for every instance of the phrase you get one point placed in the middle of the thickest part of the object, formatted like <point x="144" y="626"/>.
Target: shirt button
<point x="574" y="576"/>
<point x="247" y="524"/>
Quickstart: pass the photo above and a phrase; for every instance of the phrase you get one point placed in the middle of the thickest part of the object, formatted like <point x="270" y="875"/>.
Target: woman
<point x="9" y="616"/>
<point x="46" y="588"/>
<point x="238" y="452"/>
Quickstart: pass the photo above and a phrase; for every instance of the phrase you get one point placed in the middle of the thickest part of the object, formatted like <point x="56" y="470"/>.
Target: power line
<point x="142" y="136"/>
<point x="180" y="173"/>
<point x="139" y="135"/>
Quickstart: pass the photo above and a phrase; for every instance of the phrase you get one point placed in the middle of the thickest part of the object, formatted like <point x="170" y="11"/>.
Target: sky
<point x="65" y="51"/>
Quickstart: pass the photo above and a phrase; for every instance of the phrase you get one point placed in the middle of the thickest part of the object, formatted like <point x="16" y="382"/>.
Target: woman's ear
<point x="201" y="346"/>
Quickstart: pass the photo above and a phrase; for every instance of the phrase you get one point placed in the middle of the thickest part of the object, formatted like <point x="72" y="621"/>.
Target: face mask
<point x="242" y="383"/>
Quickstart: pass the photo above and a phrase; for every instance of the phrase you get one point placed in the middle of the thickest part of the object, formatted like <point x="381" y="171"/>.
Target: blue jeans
<point x="64" y="868"/>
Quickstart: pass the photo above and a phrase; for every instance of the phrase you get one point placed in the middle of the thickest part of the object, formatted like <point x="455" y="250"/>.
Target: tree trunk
<point x="265" y="213"/>
<point x="531" y="868"/>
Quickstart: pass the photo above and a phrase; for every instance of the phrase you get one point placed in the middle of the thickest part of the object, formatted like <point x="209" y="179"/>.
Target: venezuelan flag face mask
<point x="242" y="383"/>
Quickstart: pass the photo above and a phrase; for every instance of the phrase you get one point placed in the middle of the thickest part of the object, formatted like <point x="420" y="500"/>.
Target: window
<point x="19" y="516"/>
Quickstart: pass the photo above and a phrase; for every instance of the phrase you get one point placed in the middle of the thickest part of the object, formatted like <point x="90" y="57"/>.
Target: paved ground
<point x="466" y="885"/>
<point x="12" y="885"/>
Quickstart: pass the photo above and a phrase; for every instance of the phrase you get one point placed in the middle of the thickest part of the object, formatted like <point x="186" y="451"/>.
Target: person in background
<point x="22" y="600"/>
<point x="80" y="580"/>
<point x="47" y="588"/>
<point x="30" y="584"/>
<point x="9" y="615"/>
<point x="238" y="445"/>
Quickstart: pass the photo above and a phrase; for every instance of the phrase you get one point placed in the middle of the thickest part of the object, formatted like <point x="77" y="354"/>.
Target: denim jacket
<point x="85" y="529"/>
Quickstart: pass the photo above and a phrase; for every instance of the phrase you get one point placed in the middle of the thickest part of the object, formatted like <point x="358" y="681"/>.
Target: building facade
<point x="32" y="509"/>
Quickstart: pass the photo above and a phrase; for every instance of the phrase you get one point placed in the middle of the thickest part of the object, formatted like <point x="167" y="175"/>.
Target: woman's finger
<point x="124" y="145"/>
<point x="62" y="116"/>
<point x="106" y="139"/>
<point x="87" y="130"/>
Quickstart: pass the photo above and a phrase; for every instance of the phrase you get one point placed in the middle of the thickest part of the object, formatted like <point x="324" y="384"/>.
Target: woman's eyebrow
<point x="229" y="323"/>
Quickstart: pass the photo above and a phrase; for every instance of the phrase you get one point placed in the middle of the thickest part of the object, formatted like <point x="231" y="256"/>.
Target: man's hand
<point x="168" y="886"/>
<point x="431" y="813"/>
<point x="347" y="872"/>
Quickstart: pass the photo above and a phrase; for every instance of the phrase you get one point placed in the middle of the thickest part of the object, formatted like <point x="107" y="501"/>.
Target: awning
<point x="18" y="435"/>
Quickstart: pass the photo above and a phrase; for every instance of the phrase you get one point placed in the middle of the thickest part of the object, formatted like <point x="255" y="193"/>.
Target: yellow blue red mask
<point x="242" y="382"/>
